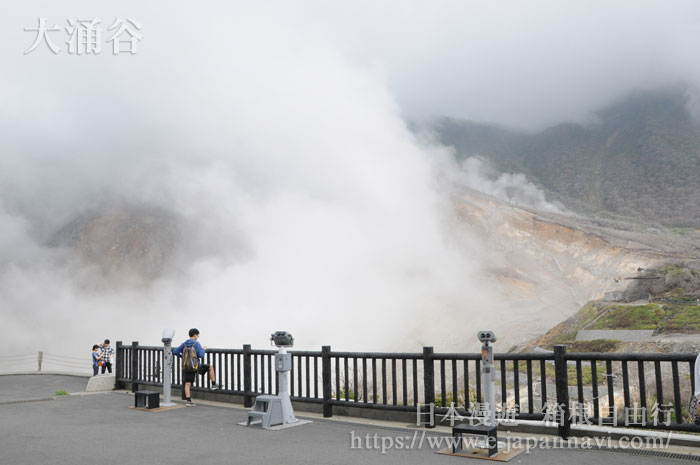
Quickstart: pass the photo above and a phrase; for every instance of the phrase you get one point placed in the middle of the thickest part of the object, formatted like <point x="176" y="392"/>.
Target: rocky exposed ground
<point x="553" y="264"/>
<point x="124" y="244"/>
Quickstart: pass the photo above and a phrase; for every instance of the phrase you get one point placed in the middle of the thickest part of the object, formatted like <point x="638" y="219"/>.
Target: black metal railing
<point x="591" y="388"/>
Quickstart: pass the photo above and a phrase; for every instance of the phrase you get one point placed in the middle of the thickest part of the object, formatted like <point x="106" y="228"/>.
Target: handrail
<point x="527" y="385"/>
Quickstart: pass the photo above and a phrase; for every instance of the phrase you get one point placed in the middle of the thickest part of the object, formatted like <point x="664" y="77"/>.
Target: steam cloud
<point x="476" y="174"/>
<point x="274" y="135"/>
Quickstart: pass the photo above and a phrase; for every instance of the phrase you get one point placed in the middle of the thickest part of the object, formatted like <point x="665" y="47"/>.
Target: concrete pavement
<point x="100" y="428"/>
<point x="17" y="388"/>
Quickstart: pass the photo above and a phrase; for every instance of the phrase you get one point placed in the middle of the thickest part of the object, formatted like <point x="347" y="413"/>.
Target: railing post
<point x="428" y="380"/>
<point x="134" y="366"/>
<point x="327" y="376"/>
<point x="561" y="374"/>
<point x="40" y="359"/>
<point x="247" y="377"/>
<point x="118" y="369"/>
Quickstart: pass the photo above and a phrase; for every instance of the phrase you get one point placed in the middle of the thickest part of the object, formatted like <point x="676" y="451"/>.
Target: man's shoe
<point x="215" y="387"/>
<point x="190" y="404"/>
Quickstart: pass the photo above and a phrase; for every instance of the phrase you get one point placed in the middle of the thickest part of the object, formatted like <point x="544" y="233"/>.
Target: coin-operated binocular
<point x="283" y="365"/>
<point x="282" y="339"/>
<point x="488" y="375"/>
<point x="277" y="410"/>
<point x="167" y="339"/>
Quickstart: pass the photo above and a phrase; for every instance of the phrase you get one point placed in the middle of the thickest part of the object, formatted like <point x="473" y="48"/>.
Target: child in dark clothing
<point x="96" y="358"/>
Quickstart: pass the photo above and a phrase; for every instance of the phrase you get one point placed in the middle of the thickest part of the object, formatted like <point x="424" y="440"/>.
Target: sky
<point x="526" y="65"/>
<point x="278" y="134"/>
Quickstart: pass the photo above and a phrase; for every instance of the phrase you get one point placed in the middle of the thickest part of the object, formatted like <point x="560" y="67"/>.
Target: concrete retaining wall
<point x="617" y="334"/>
<point x="101" y="383"/>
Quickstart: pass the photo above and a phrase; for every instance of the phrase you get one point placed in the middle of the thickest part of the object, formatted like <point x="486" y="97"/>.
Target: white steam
<point x="307" y="203"/>
<point x="476" y="174"/>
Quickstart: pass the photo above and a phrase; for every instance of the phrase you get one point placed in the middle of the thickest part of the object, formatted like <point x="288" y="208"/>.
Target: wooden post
<point x="247" y="377"/>
<point x="428" y="381"/>
<point x="134" y="366"/>
<point x="118" y="360"/>
<point x="327" y="376"/>
<point x="40" y="359"/>
<point x="561" y="375"/>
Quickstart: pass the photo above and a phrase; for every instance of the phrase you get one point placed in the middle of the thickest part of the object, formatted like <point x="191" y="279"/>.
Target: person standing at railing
<point x="107" y="353"/>
<point x="192" y="352"/>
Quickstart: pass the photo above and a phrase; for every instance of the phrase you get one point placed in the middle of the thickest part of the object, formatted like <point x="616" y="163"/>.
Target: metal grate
<point x="646" y="452"/>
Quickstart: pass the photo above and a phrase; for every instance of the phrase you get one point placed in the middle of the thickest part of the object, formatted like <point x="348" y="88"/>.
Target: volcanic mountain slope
<point x="639" y="161"/>
<point x="125" y="244"/>
<point x="549" y="265"/>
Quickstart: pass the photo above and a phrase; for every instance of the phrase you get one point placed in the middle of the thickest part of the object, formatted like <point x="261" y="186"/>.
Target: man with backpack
<point x="191" y="352"/>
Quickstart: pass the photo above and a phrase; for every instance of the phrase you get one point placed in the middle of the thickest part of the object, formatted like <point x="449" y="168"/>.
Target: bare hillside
<point x="549" y="265"/>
